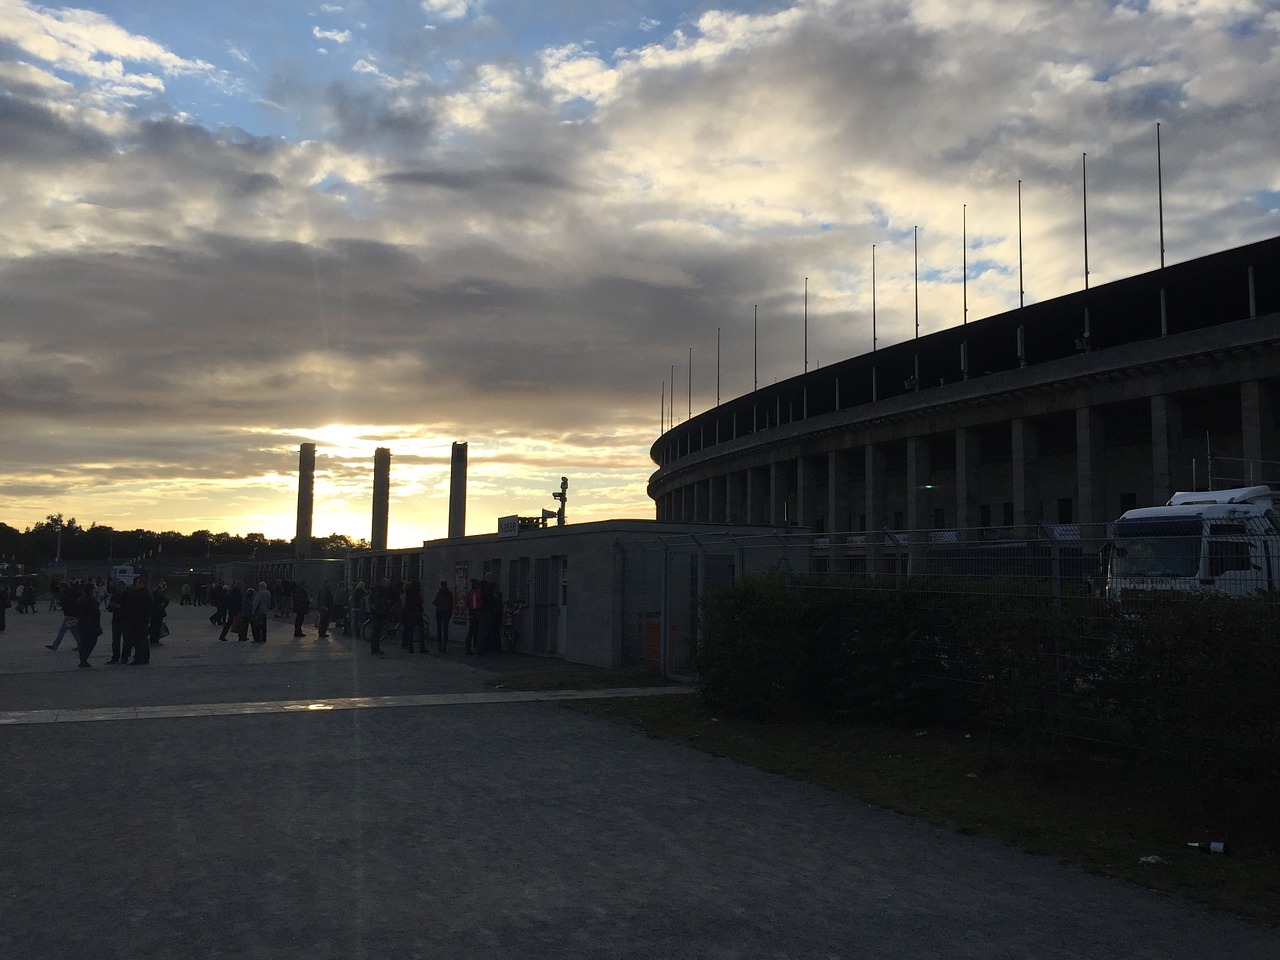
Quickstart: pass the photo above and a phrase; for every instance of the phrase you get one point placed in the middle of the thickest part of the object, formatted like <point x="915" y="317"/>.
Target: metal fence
<point x="1031" y="628"/>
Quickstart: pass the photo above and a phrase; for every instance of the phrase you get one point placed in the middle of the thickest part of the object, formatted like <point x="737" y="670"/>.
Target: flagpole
<point x="1022" y="292"/>
<point x="1160" y="193"/>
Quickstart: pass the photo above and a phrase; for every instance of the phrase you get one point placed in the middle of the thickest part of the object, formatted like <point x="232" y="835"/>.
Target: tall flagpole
<point x="1084" y="193"/>
<point x="717" y="366"/>
<point x="915" y="240"/>
<point x="691" y="383"/>
<point x="873" y="298"/>
<point x="1160" y="193"/>
<point x="755" y="348"/>
<point x="964" y="261"/>
<point x="806" y="324"/>
<point x="1022" y="291"/>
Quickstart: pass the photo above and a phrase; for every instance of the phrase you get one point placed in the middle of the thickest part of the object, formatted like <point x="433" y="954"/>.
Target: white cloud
<point x="337" y="36"/>
<point x="448" y="9"/>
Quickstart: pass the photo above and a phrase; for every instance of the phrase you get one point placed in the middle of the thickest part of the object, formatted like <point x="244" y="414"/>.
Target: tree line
<point x="56" y="537"/>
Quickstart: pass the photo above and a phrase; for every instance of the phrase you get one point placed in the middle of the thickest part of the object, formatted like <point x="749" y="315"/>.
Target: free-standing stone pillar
<point x="306" y="500"/>
<point x="458" y="492"/>
<point x="968" y="474"/>
<point x="381" y="497"/>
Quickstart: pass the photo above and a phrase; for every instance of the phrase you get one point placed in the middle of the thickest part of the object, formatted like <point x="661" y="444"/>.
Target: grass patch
<point x="579" y="680"/>
<point x="1098" y="813"/>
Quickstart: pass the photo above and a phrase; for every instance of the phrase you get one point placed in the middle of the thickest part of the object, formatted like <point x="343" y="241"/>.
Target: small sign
<point x="508" y="527"/>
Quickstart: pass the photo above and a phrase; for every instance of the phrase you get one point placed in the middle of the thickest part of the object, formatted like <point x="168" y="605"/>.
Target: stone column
<point x="381" y="497"/>
<point x="874" y="461"/>
<point x="1257" y="428"/>
<point x="1026" y="491"/>
<point x="1166" y="431"/>
<point x="306" y="500"/>
<point x="1091" y="467"/>
<point x="968" y="471"/>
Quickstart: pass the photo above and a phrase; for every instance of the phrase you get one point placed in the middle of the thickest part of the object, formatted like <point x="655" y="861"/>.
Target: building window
<point x="984" y="515"/>
<point x="1064" y="510"/>
<point x="897" y="519"/>
<point x="1007" y="510"/>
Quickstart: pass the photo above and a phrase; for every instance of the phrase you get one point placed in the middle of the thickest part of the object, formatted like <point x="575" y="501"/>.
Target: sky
<point x="549" y="229"/>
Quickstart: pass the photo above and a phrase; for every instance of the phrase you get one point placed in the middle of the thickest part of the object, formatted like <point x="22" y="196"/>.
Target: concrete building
<point x="1065" y="412"/>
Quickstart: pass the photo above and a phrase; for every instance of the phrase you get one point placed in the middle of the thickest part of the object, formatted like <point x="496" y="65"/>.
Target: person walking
<point x="89" y="618"/>
<point x="443" y="604"/>
<point x="67" y="597"/>
<point x="229" y="603"/>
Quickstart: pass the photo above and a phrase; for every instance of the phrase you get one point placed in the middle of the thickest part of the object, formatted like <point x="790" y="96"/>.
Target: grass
<point x="1098" y="813"/>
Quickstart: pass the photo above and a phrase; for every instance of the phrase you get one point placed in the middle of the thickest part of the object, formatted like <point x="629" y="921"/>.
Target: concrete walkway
<point x="301" y="799"/>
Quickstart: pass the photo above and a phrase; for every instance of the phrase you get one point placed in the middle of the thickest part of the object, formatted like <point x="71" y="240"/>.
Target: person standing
<point x="4" y="602"/>
<point x="473" y="615"/>
<point x="261" y="606"/>
<point x="116" y="604"/>
<point x="411" y="624"/>
<point x="380" y="607"/>
<point x="301" y="606"/>
<point x="359" y="610"/>
<point x="137" y="625"/>
<point x="159" y="603"/>
<point x="89" y="617"/>
<point x="443" y="604"/>
<point x="324" y="607"/>
<point x="247" y="596"/>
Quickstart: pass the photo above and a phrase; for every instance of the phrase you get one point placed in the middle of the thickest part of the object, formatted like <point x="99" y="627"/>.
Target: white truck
<point x="1214" y="541"/>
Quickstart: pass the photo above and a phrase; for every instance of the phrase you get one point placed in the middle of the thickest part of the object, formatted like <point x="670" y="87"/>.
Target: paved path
<point x="432" y="818"/>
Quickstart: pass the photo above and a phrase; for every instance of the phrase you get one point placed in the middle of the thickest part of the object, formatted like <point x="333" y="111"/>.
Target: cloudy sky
<point x="229" y="228"/>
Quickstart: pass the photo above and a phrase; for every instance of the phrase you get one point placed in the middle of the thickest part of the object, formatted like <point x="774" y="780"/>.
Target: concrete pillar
<point x="381" y="497"/>
<point x="875" y="466"/>
<point x="1026" y="491"/>
<point x="837" y="493"/>
<point x="776" y="494"/>
<point x="917" y="501"/>
<point x="1166" y="432"/>
<point x="458" y="492"/>
<point x="807" y="508"/>
<point x="306" y="500"/>
<point x="968" y="472"/>
<point x="1257" y="428"/>
<point x="1091" y="467"/>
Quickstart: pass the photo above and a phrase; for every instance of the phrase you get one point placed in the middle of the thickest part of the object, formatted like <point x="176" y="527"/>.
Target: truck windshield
<point x="1163" y="547"/>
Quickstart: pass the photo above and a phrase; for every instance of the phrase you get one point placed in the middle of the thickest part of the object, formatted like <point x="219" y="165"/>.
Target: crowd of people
<point x="386" y="611"/>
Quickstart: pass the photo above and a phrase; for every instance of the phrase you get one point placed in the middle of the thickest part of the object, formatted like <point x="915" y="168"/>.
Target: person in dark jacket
<point x="231" y="602"/>
<point x="158" y="604"/>
<point x="411" y="624"/>
<point x="116" y="607"/>
<point x="137" y="625"/>
<point x="443" y="604"/>
<point x="89" y="617"/>
<point x="301" y="606"/>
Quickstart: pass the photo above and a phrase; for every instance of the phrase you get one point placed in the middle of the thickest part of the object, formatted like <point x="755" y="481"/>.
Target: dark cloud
<point x="32" y="133"/>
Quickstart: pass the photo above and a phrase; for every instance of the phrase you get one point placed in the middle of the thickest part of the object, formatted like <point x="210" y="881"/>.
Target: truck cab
<point x="1218" y="541"/>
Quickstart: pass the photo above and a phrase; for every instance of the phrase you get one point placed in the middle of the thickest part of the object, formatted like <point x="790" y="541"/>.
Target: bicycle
<point x="390" y="631"/>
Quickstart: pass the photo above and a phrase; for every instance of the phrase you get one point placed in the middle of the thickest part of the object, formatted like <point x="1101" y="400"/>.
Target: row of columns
<point x="784" y="491"/>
